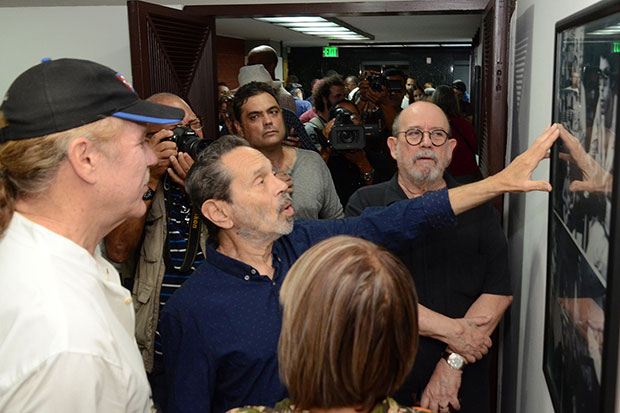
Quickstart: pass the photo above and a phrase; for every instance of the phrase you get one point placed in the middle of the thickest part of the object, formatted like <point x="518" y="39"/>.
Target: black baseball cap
<point x="58" y="95"/>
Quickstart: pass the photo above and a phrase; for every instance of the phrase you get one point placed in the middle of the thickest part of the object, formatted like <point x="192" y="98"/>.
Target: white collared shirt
<point x="66" y="328"/>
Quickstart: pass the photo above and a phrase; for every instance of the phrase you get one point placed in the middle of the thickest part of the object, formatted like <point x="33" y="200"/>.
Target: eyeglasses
<point x="414" y="136"/>
<point x="195" y="124"/>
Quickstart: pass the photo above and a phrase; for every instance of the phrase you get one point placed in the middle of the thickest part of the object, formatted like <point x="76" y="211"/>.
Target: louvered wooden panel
<point x="162" y="75"/>
<point x="487" y="76"/>
<point x="200" y="86"/>
<point x="181" y="43"/>
<point x="172" y="51"/>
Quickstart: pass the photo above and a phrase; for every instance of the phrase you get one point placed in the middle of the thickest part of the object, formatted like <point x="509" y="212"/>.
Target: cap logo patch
<point x="125" y="82"/>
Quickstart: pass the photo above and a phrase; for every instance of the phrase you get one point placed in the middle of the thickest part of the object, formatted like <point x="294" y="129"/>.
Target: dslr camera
<point x="344" y="134"/>
<point x="188" y="141"/>
<point x="377" y="80"/>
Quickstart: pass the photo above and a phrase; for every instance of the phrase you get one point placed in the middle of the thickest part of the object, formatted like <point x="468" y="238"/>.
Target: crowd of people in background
<point x="352" y="169"/>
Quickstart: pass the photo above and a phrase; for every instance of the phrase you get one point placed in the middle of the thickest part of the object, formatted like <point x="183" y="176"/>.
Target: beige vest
<point x="150" y="275"/>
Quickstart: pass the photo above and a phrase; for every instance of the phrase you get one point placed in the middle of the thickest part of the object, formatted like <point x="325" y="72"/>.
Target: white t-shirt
<point x="66" y="328"/>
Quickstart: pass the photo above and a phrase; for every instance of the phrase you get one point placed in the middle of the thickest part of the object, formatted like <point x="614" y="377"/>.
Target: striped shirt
<point x="179" y="213"/>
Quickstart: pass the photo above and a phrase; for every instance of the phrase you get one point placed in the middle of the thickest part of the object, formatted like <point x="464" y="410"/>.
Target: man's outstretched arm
<point x="516" y="177"/>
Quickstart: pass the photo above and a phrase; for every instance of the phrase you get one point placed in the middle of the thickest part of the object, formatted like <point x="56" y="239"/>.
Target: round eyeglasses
<point x="414" y="136"/>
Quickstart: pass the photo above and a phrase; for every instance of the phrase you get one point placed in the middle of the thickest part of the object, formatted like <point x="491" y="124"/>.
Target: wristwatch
<point x="149" y="194"/>
<point x="368" y="175"/>
<point x="454" y="360"/>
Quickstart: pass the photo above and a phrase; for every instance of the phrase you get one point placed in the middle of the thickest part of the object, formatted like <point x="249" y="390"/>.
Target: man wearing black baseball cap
<point x="73" y="165"/>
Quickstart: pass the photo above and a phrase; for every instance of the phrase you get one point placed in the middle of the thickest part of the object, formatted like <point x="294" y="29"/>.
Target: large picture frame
<point x="582" y="313"/>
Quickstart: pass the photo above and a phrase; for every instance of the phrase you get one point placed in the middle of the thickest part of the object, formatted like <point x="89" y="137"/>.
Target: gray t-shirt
<point x="314" y="194"/>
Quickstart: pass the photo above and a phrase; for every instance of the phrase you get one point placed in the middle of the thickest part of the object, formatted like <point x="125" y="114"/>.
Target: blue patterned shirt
<point x="220" y="330"/>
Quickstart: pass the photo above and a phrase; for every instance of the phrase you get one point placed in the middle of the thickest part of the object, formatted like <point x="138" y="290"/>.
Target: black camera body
<point x="344" y="134"/>
<point x="188" y="141"/>
<point x="377" y="81"/>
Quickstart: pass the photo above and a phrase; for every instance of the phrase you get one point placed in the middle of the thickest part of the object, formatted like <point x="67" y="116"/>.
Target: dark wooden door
<point x="494" y="95"/>
<point x="172" y="51"/>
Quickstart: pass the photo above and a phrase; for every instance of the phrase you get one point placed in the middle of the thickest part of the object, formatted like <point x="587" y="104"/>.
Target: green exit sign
<point x="616" y="47"/>
<point x="330" y="51"/>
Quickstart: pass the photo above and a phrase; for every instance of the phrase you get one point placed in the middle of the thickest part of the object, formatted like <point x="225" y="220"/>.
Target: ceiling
<point x="398" y="29"/>
<point x="443" y="28"/>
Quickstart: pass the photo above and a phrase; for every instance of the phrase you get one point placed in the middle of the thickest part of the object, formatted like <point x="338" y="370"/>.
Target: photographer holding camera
<point x="171" y="232"/>
<point x="324" y="96"/>
<point x="347" y="148"/>
<point x="380" y="103"/>
<point x="381" y="97"/>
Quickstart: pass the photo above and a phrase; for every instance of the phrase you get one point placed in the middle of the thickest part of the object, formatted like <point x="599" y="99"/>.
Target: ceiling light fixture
<point x="318" y="30"/>
<point x="605" y="32"/>
<point x="308" y="24"/>
<point x="293" y="19"/>
<point x="327" y="28"/>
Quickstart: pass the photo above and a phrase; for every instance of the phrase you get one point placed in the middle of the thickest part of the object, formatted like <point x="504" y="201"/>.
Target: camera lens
<point x="346" y="136"/>
<point x="188" y="141"/>
<point x="195" y="146"/>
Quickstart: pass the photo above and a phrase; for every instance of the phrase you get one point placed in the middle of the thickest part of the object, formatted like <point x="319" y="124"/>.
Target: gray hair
<point x="207" y="179"/>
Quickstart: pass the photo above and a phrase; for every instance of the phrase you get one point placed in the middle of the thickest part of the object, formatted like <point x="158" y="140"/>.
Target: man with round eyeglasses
<point x="422" y="150"/>
<point x="461" y="273"/>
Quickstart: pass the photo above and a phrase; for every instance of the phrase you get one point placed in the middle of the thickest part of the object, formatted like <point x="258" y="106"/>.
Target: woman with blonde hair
<point x="349" y="330"/>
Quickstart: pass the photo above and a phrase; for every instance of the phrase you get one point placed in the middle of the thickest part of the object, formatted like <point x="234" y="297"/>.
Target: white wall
<point x="99" y="33"/>
<point x="524" y="387"/>
<point x="28" y="34"/>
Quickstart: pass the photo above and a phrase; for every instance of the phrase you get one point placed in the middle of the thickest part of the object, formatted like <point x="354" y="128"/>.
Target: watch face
<point x="456" y="361"/>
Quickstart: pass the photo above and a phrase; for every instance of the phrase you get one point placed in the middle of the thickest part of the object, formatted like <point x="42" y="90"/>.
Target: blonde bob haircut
<point x="350" y="325"/>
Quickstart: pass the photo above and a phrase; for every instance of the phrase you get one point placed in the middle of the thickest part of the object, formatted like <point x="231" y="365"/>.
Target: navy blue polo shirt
<point x="220" y="329"/>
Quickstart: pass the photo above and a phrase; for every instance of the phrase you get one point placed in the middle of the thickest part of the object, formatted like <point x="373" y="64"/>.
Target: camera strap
<point x="193" y="242"/>
<point x="193" y="236"/>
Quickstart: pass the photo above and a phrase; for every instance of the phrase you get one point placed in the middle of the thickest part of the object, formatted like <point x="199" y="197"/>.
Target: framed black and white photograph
<point x="580" y="360"/>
